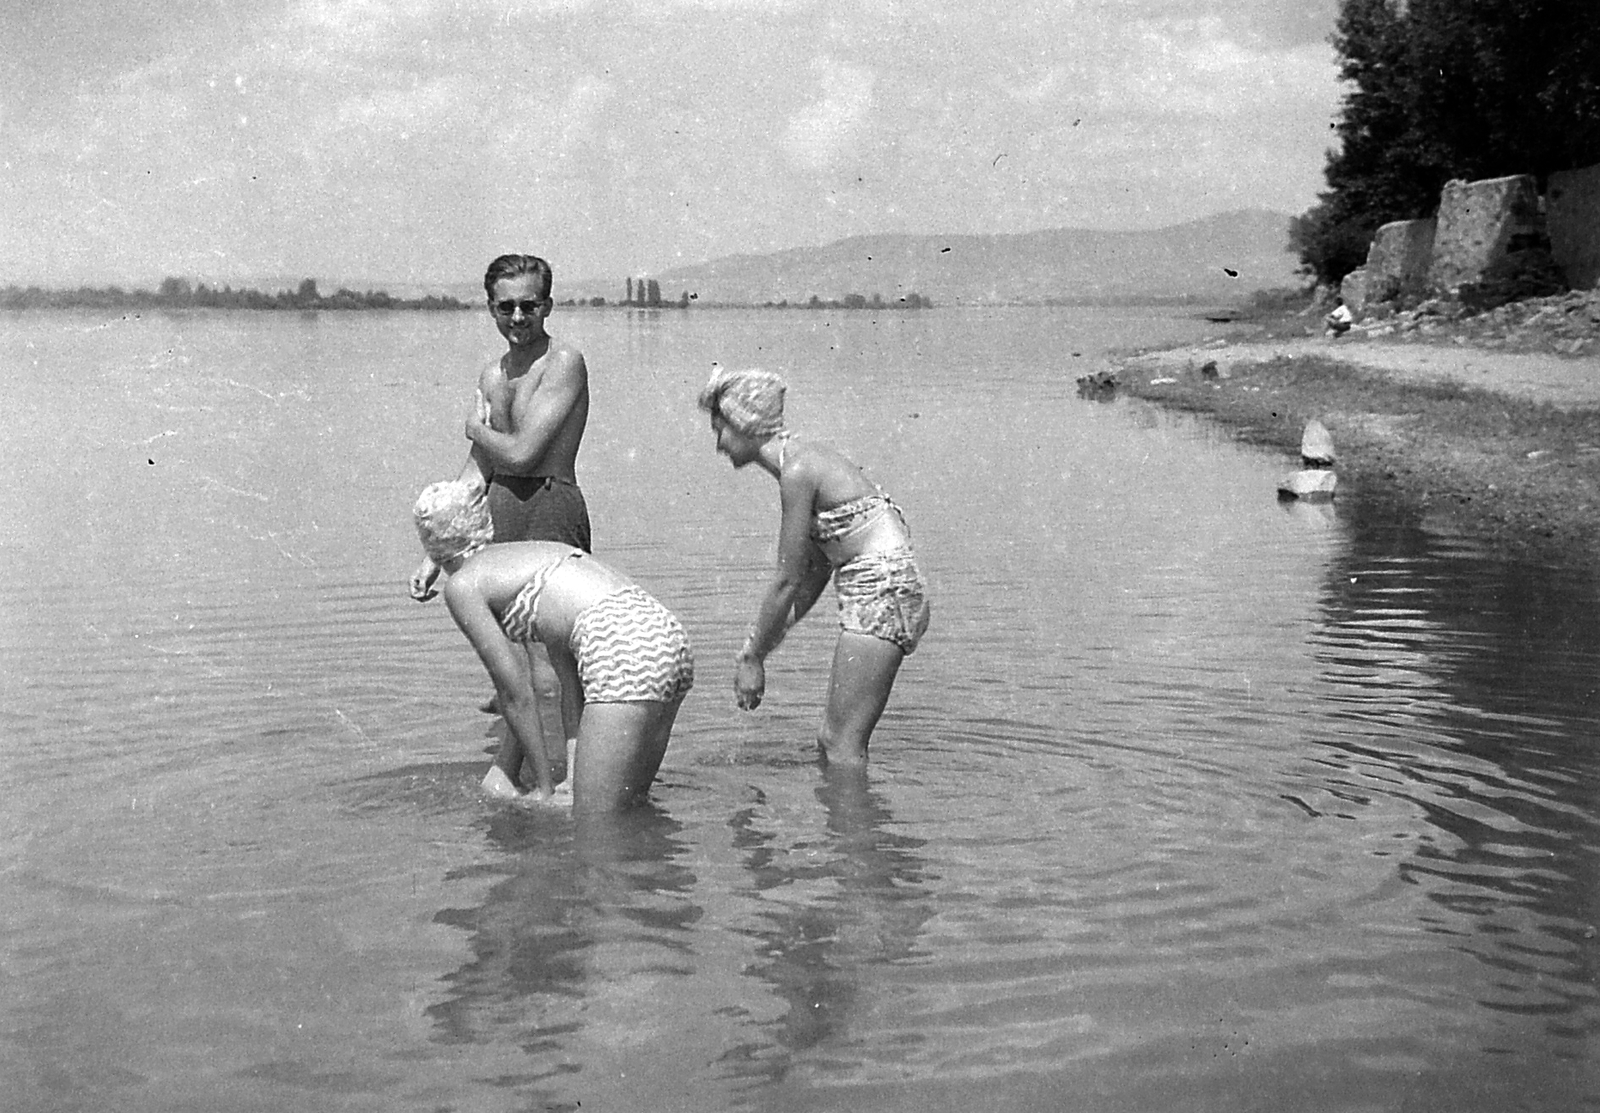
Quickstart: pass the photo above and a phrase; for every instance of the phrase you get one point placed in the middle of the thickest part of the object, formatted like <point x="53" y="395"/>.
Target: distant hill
<point x="1217" y="259"/>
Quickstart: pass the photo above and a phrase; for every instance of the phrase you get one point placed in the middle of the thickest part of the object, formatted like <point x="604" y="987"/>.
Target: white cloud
<point x="422" y="107"/>
<point x="620" y="136"/>
<point x="740" y="7"/>
<point x="1037" y="88"/>
<point x="824" y="133"/>
<point x="1201" y="68"/>
<point x="582" y="116"/>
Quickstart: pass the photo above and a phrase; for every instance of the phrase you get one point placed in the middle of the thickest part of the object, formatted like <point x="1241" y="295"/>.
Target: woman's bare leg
<point x="620" y="749"/>
<point x="864" y="669"/>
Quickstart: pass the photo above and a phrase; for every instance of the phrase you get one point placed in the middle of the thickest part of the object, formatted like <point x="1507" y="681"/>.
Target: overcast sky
<point x="412" y="140"/>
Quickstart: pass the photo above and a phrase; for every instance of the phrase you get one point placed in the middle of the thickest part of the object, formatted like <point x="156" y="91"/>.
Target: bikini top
<point x="521" y="619"/>
<point x="837" y="523"/>
<point x="830" y="528"/>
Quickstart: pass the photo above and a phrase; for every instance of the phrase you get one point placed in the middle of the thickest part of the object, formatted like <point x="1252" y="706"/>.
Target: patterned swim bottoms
<point x="883" y="595"/>
<point x="629" y="647"/>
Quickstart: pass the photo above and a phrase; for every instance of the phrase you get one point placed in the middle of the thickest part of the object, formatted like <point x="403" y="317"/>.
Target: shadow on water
<point x="571" y="892"/>
<point x="853" y="901"/>
<point x="1464" y="688"/>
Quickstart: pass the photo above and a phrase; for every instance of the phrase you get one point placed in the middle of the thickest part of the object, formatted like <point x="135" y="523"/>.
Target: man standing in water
<point x="532" y="407"/>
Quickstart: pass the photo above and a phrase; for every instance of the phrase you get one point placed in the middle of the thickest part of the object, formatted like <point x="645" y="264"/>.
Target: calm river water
<point x="1190" y="801"/>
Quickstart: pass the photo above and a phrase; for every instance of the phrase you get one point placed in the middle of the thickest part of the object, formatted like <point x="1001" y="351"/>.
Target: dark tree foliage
<point x="1446" y="89"/>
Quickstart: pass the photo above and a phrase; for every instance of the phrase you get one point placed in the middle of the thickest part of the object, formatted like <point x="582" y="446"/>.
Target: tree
<point x="1507" y="86"/>
<point x="1379" y="172"/>
<point x="175" y="290"/>
<point x="1443" y="89"/>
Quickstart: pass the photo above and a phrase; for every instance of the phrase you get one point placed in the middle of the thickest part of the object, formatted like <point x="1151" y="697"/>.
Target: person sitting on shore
<point x="834" y="521"/>
<point x="1339" y="321"/>
<point x="623" y="659"/>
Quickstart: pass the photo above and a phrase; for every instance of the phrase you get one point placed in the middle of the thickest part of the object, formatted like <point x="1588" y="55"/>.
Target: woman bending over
<point x="623" y="659"/>
<point x="834" y="522"/>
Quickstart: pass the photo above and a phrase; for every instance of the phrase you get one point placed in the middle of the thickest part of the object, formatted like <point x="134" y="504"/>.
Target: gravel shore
<point x="1487" y="427"/>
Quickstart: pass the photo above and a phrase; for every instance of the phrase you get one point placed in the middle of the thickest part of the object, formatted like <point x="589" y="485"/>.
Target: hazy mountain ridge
<point x="1192" y="260"/>
<point x="1189" y="260"/>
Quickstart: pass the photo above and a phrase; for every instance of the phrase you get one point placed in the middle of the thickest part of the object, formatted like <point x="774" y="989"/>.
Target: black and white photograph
<point x="800" y="556"/>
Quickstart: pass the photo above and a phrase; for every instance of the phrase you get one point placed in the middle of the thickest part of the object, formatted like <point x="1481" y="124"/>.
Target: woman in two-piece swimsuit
<point x="835" y="522"/>
<point x="623" y="659"/>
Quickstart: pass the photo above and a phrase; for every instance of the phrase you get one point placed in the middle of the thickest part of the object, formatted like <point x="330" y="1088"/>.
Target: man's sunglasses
<point x="508" y="307"/>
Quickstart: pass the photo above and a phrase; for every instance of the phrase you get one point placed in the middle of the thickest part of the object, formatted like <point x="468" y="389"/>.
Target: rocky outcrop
<point x="1493" y="242"/>
<point x="1402" y="252"/>
<point x="1567" y="324"/>
<point x="1397" y="265"/>
<point x="1572" y="218"/>
<point x="1481" y="223"/>
<point x="1361" y="289"/>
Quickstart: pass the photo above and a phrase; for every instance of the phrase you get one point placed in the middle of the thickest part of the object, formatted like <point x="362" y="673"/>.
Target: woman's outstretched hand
<point x="423" y="581"/>
<point x="749" y="683"/>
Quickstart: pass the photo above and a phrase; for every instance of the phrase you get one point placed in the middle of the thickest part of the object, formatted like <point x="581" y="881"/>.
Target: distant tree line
<point x="179" y="293"/>
<point x="646" y="293"/>
<point x="855" y="301"/>
<point x="1449" y="89"/>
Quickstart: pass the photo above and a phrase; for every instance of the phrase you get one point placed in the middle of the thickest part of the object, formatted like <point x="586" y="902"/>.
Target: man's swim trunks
<point x="539" y="508"/>
<point x="629" y="647"/>
<point x="883" y="595"/>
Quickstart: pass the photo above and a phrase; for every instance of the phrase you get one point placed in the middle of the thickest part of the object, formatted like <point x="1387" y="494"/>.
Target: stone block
<point x="1480" y="223"/>
<point x="1402" y="251"/>
<point x="1363" y="288"/>
<point x="1316" y="445"/>
<point x="1310" y="485"/>
<point x="1572" y="218"/>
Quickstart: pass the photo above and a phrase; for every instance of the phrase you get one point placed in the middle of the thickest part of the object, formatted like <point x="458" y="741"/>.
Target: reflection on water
<point x="1191" y="800"/>
<point x="1466" y="688"/>
<point x="589" y="938"/>
<point x="838" y="905"/>
<point x="596" y="909"/>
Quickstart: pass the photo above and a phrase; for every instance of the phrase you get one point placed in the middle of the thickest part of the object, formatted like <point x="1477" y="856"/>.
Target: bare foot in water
<point x="559" y="797"/>
<point x="497" y="786"/>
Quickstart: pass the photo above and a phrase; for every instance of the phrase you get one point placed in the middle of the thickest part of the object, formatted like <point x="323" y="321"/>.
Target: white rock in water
<point x="1313" y="485"/>
<point x="1316" y="444"/>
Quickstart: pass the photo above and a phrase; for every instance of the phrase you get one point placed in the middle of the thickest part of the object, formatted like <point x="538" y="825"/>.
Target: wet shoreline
<point x="1499" y="446"/>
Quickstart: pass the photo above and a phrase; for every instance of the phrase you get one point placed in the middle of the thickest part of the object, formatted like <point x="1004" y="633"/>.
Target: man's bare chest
<point x="506" y="393"/>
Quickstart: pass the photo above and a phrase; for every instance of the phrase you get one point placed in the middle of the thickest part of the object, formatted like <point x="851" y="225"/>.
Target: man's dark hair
<point x="515" y="266"/>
